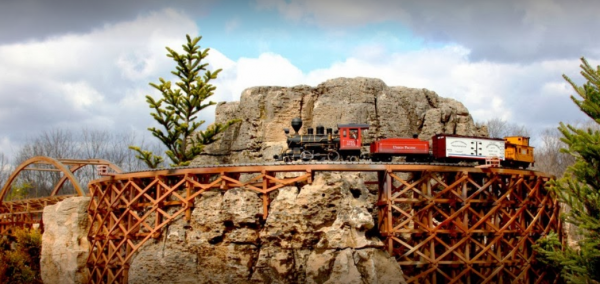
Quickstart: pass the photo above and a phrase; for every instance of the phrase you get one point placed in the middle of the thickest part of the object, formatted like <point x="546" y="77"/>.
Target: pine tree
<point x="179" y="106"/>
<point x="579" y="189"/>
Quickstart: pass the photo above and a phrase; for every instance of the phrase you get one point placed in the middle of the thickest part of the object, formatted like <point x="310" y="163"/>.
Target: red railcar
<point x="414" y="149"/>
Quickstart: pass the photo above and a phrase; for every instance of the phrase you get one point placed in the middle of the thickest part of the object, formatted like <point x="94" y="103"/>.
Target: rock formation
<point x="65" y="247"/>
<point x="390" y="112"/>
<point x="317" y="233"/>
<point x="323" y="232"/>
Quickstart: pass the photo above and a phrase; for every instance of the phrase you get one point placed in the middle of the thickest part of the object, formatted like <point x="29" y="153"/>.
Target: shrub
<point x="20" y="257"/>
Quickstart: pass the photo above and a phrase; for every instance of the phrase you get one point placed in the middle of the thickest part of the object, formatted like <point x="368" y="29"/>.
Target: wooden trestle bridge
<point x="444" y="224"/>
<point x="25" y="213"/>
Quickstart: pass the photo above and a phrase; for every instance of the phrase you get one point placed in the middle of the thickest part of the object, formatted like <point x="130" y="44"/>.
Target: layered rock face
<point x="324" y="232"/>
<point x="65" y="247"/>
<point x="315" y="233"/>
<point x="390" y="112"/>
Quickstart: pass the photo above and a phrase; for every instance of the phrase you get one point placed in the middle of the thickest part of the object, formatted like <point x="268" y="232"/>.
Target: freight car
<point x="345" y="143"/>
<point x="414" y="150"/>
<point x="449" y="148"/>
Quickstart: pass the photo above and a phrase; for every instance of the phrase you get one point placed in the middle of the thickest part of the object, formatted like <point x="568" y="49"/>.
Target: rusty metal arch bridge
<point x="27" y="212"/>
<point x="442" y="223"/>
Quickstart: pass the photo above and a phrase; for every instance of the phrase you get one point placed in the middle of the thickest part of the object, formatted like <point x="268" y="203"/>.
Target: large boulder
<point x="390" y="112"/>
<point x="323" y="232"/>
<point x="314" y="233"/>
<point x="65" y="247"/>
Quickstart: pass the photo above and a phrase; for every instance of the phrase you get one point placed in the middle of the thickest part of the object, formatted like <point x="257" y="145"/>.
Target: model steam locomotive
<point x="346" y="143"/>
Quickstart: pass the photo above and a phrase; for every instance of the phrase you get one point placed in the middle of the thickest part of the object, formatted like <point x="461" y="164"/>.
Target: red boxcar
<point x="413" y="149"/>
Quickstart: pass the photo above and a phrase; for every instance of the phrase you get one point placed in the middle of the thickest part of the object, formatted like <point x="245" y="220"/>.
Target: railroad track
<point x="343" y="163"/>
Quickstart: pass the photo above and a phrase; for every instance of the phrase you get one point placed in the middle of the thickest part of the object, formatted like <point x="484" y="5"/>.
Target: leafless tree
<point x="499" y="128"/>
<point x="548" y="157"/>
<point x="85" y="144"/>
<point x="5" y="169"/>
<point x="99" y="144"/>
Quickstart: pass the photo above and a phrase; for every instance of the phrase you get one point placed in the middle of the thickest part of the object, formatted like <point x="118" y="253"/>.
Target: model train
<point x="346" y="143"/>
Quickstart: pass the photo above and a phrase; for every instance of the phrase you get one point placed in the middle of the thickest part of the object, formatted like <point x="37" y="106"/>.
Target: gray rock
<point x="390" y="112"/>
<point x="65" y="247"/>
<point x="315" y="233"/>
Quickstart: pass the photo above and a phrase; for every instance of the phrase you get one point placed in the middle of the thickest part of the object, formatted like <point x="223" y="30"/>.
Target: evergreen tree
<point x="579" y="189"/>
<point x="178" y="108"/>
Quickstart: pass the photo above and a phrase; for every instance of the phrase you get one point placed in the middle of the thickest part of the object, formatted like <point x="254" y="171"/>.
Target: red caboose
<point x="413" y="148"/>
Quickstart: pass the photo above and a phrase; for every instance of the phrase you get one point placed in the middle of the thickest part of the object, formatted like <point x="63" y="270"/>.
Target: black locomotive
<point x="326" y="144"/>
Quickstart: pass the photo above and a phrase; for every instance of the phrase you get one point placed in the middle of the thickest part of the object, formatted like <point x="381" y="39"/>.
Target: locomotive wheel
<point x="353" y="158"/>
<point x="306" y="156"/>
<point x="333" y="155"/>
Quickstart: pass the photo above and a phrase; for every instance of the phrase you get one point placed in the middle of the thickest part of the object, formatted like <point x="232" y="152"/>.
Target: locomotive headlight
<point x="286" y="131"/>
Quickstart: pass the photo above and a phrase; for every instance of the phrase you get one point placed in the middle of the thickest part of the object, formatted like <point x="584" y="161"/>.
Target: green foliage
<point x="179" y="106"/>
<point x="20" y="257"/>
<point x="579" y="190"/>
<point x="19" y="191"/>
<point x="148" y="157"/>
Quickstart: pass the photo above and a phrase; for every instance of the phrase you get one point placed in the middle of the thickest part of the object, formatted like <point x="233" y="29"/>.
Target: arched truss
<point x="24" y="213"/>
<point x="443" y="224"/>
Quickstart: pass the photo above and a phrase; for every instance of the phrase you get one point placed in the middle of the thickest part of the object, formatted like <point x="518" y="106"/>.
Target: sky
<point x="68" y="64"/>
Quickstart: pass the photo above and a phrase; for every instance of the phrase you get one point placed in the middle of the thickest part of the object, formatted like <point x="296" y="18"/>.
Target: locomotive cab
<point x="351" y="140"/>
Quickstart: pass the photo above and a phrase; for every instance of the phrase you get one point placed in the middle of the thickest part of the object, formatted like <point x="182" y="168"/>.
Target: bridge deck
<point x="443" y="223"/>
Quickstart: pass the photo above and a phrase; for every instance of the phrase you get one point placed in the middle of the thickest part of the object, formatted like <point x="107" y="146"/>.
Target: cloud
<point x="337" y="13"/>
<point x="88" y="79"/>
<point x="80" y="94"/>
<point x="39" y="19"/>
<point x="534" y="94"/>
<point x="508" y="31"/>
<point x="268" y="69"/>
<point x="99" y="78"/>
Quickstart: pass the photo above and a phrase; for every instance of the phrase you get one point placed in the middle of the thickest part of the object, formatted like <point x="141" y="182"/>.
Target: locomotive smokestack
<point x="296" y="124"/>
<point x="320" y="130"/>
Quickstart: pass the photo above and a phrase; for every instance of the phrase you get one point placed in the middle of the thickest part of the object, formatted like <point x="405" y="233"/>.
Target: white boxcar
<point x="465" y="147"/>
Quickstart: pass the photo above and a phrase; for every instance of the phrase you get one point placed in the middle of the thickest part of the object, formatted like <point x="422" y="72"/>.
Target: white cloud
<point x="267" y="70"/>
<point x="101" y="78"/>
<point x="532" y="94"/>
<point x="88" y="80"/>
<point x="80" y="94"/>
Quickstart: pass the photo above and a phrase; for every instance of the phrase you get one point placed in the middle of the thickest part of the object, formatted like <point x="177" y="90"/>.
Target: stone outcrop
<point x="390" y="112"/>
<point x="315" y="233"/>
<point x="323" y="232"/>
<point x="65" y="247"/>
